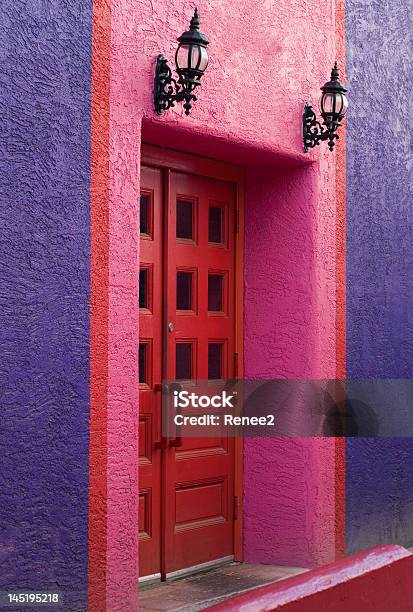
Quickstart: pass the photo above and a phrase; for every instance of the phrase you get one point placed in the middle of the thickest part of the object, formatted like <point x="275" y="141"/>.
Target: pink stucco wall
<point x="267" y="59"/>
<point x="289" y="333"/>
<point x="123" y="333"/>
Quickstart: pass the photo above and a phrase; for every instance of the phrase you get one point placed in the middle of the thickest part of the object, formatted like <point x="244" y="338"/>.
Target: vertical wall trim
<point x="99" y="304"/>
<point x="123" y="322"/>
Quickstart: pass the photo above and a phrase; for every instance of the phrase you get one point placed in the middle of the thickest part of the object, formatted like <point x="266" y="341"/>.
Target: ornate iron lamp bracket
<point x="333" y="106"/>
<point x="191" y="61"/>
<point x="168" y="91"/>
<point x="314" y="132"/>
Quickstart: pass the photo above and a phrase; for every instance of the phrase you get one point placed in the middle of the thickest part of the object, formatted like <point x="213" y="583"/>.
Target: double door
<point x="187" y="308"/>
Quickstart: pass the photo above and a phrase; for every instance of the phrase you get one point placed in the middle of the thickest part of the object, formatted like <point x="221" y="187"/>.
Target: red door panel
<point x="150" y="371"/>
<point x="187" y="276"/>
<point x="199" y="484"/>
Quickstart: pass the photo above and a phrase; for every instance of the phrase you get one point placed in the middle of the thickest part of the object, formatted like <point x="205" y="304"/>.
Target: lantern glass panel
<point x="194" y="57"/>
<point x="327" y="103"/>
<point x="204" y="59"/>
<point x="345" y="104"/>
<point x="183" y="57"/>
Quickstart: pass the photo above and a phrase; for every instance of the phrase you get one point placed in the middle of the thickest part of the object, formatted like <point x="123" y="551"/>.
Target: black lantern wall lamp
<point x="333" y="105"/>
<point x="191" y="60"/>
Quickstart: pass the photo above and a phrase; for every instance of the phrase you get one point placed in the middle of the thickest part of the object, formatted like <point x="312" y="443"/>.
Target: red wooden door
<point x="193" y="501"/>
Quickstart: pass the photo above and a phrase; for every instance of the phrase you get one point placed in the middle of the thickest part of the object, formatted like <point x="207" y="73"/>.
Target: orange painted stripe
<point x="99" y="305"/>
<point x="340" y="454"/>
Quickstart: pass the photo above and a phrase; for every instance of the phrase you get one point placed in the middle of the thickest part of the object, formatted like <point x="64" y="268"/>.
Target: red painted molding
<point x="99" y="306"/>
<point x="378" y="579"/>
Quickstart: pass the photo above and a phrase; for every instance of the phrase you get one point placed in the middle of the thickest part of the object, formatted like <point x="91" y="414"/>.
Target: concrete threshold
<point x="199" y="591"/>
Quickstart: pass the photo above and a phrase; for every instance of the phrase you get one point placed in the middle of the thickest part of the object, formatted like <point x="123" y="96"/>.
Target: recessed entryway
<point x="189" y="306"/>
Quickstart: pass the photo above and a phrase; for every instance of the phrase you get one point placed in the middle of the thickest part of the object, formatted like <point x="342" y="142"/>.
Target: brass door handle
<point x="157" y="387"/>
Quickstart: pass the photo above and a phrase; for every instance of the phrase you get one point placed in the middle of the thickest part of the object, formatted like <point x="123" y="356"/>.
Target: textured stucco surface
<point x="379" y="257"/>
<point x="123" y="341"/>
<point x="266" y="59"/>
<point x="289" y="332"/>
<point x="99" y="306"/>
<point x="44" y="292"/>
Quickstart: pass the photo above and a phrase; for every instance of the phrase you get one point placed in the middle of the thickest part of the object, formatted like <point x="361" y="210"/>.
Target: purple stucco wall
<point x="44" y="294"/>
<point x="379" y="257"/>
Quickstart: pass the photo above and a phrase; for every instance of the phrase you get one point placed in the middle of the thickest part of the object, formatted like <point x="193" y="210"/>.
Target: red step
<point x="379" y="579"/>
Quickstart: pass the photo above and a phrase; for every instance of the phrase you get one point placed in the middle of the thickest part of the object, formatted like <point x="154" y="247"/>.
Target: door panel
<point x="150" y="371"/>
<point x="187" y="276"/>
<point x="199" y="484"/>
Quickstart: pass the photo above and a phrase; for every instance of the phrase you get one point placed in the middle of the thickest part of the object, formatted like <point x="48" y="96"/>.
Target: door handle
<point x="158" y="443"/>
<point x="176" y="442"/>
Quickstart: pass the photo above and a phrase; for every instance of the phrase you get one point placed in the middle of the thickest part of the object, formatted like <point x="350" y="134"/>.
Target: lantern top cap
<point x="193" y="35"/>
<point x="334" y="85"/>
<point x="334" y="72"/>
<point x="194" y="25"/>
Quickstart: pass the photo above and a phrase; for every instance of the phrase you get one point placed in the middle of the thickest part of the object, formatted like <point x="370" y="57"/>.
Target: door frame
<point x="172" y="160"/>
